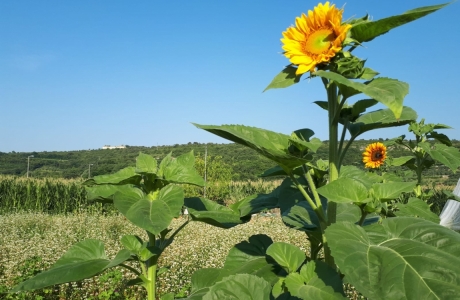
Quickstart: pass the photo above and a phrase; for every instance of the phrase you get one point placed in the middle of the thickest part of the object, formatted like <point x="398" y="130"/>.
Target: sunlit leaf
<point x="288" y="256"/>
<point x="417" y="208"/>
<point x="389" y="92"/>
<point x="240" y="286"/>
<point x="402" y="258"/>
<point x="449" y="156"/>
<point x="383" y="118"/>
<point x="210" y="212"/>
<point x="270" y="144"/>
<point x="285" y="78"/>
<point x="345" y="190"/>
<point x="316" y="280"/>
<point x="153" y="215"/>
<point x="366" y="31"/>
<point x="83" y="260"/>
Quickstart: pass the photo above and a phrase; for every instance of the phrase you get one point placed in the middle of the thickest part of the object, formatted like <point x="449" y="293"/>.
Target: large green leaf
<point x="383" y="118"/>
<point x="345" y="190"/>
<point x="210" y="212"/>
<point x="449" y="156"/>
<point x="285" y="78"/>
<point x="240" y="286"/>
<point x="204" y="278"/>
<point x="153" y="215"/>
<point x="255" y="204"/>
<point x="104" y="193"/>
<point x="366" y="31"/>
<point x="402" y="258"/>
<point x="146" y="164"/>
<point x="348" y="212"/>
<point x="288" y="256"/>
<point x="180" y="170"/>
<point x="389" y="92"/>
<point x="83" y="260"/>
<point x="417" y="208"/>
<point x="391" y="190"/>
<point x="366" y="178"/>
<point x="301" y="216"/>
<point x="316" y="280"/>
<point x="124" y="176"/>
<point x="268" y="143"/>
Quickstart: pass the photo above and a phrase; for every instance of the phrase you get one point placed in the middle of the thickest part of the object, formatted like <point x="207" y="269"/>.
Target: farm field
<point x="42" y="239"/>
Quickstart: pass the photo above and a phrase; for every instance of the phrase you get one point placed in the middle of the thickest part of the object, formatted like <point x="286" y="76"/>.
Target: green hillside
<point x="246" y="163"/>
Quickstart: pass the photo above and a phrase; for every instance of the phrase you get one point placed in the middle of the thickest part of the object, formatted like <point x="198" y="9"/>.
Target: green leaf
<point x="316" y="280"/>
<point x="255" y="203"/>
<point x="383" y="118"/>
<point x="440" y="137"/>
<point x="249" y="257"/>
<point x="366" y="31"/>
<point x="348" y="212"/>
<point x="345" y="190"/>
<point x="402" y="258"/>
<point x="389" y="92"/>
<point x="204" y="278"/>
<point x="301" y="216"/>
<point x="270" y="144"/>
<point x="240" y="286"/>
<point x="132" y="242"/>
<point x="104" y="193"/>
<point x="366" y="178"/>
<point x="210" y="212"/>
<point x="153" y="215"/>
<point x="417" y="208"/>
<point x="391" y="190"/>
<point x="368" y="74"/>
<point x="83" y="260"/>
<point x="146" y="164"/>
<point x="180" y="170"/>
<point x="449" y="156"/>
<point x="124" y="176"/>
<point x="168" y="296"/>
<point x="288" y="256"/>
<point x="286" y="78"/>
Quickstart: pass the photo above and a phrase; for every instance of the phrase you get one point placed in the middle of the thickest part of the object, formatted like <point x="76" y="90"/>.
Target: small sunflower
<point x="374" y="155"/>
<point x="316" y="38"/>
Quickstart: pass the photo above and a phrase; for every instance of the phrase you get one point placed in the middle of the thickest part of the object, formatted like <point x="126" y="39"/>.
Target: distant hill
<point x="246" y="163"/>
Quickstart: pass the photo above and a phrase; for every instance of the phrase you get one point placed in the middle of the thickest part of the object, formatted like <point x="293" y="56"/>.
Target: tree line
<point x="245" y="164"/>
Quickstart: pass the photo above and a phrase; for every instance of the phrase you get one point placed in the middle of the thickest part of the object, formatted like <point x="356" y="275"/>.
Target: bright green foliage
<point x="417" y="208"/>
<point x="316" y="280"/>
<point x="403" y="258"/>
<point x="272" y="145"/>
<point x="368" y="30"/>
<point x="85" y="259"/>
<point x="240" y="286"/>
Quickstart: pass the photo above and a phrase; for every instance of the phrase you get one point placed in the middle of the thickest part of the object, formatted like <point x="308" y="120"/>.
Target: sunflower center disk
<point x="377" y="155"/>
<point x="319" y="41"/>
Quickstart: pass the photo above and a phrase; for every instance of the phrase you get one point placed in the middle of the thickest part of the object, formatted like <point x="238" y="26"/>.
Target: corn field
<point x="42" y="195"/>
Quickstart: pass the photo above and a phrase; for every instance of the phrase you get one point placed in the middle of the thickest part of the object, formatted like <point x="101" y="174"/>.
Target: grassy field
<point x="30" y="242"/>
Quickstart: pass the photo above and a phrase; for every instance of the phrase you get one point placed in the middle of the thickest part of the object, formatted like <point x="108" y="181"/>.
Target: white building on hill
<point x="114" y="147"/>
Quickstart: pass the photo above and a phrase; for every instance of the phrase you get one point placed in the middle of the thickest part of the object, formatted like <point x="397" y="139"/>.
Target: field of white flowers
<point x="30" y="242"/>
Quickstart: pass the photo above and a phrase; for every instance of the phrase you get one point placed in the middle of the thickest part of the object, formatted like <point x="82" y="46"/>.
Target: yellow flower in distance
<point x="316" y="38"/>
<point x="374" y="155"/>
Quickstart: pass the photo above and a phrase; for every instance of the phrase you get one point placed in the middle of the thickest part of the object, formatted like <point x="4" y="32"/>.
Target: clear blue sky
<point x="78" y="75"/>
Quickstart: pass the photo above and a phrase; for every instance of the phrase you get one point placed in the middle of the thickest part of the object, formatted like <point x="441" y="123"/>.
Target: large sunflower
<point x="374" y="155"/>
<point x="316" y="38"/>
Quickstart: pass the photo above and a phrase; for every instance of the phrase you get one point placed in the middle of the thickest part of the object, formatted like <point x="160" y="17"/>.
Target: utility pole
<point x="28" y="164"/>
<point x="205" y="168"/>
<point x="89" y="171"/>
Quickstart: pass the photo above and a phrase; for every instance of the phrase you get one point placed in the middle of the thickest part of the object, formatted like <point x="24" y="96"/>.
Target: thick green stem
<point x="312" y="186"/>
<point x="363" y="216"/>
<point x="334" y="112"/>
<point x="151" y="271"/>
<point x="316" y="209"/>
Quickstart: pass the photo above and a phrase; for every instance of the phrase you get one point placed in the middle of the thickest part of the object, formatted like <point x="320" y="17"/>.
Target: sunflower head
<point x="374" y="155"/>
<point x="316" y="38"/>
